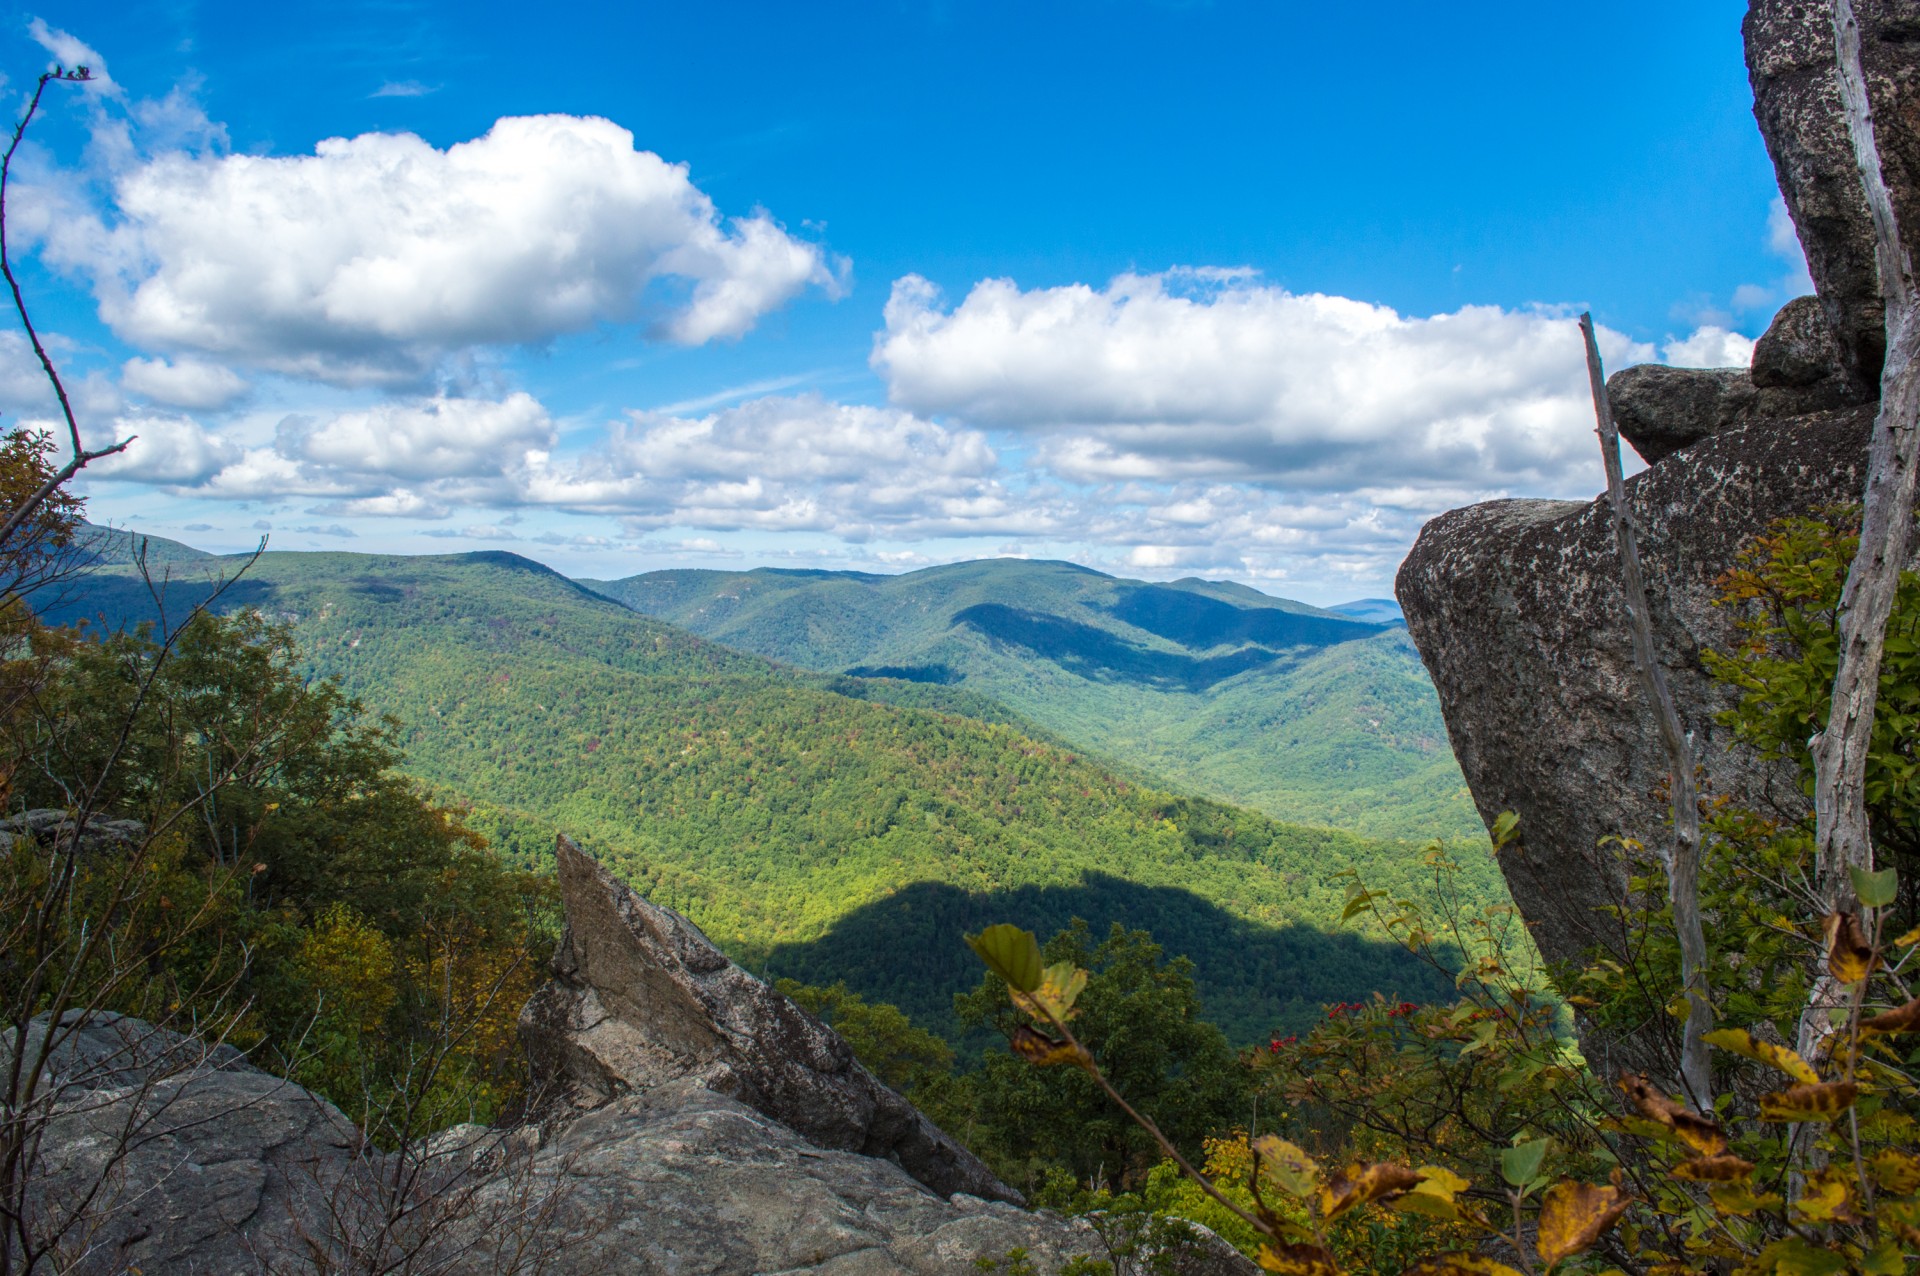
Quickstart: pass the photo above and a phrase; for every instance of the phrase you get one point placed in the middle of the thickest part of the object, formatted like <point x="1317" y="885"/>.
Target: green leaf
<point x="1876" y="890"/>
<point x="1011" y="953"/>
<point x="1504" y="828"/>
<point x="1520" y="1165"/>
<point x="1359" y="903"/>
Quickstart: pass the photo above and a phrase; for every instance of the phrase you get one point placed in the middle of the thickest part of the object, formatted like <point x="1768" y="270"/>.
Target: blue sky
<point x="1243" y="290"/>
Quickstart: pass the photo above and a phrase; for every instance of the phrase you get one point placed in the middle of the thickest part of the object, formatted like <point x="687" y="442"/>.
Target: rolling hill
<point x="1309" y="715"/>
<point x="823" y="833"/>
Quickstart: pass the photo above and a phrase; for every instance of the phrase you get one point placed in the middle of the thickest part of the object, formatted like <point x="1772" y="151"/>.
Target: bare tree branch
<point x="81" y="456"/>
<point x="1683" y="860"/>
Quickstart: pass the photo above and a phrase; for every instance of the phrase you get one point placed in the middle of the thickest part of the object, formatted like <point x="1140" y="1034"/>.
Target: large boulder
<point x="1797" y="368"/>
<point x="680" y="1179"/>
<point x="1790" y="62"/>
<point x="174" y="1159"/>
<point x="1517" y="609"/>
<point x="162" y="1154"/>
<point x="640" y="999"/>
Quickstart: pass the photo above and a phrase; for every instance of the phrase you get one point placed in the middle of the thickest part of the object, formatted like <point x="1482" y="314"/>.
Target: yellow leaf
<point x="1739" y="1200"/>
<point x="1298" y="1260"/>
<point x="1895" y="1171"/>
<point x="1052" y="1000"/>
<point x="1742" y="1042"/>
<point x="1043" y="1051"/>
<point x="1809" y="1102"/>
<point x="1433" y="1195"/>
<point x="1459" y="1265"/>
<point x="1850" y="957"/>
<point x="1297" y="1173"/>
<point x="1362" y="1184"/>
<point x="1575" y="1215"/>
<point x="1909" y="939"/>
<point x="1828" y="1198"/>
<point x="1714" y="1169"/>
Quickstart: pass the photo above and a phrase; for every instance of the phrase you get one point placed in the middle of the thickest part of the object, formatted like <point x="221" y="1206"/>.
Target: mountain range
<point x="1320" y="716"/>
<point x="821" y="826"/>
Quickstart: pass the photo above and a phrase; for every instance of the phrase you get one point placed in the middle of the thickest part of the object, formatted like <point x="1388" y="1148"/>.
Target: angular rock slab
<point x="641" y="999"/>
<point x="1517" y="610"/>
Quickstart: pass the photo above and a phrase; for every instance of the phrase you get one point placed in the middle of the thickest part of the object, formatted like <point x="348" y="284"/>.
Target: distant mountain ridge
<point x="1317" y="715"/>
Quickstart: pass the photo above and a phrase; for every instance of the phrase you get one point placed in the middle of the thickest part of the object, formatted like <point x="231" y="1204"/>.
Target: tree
<point x="1141" y="1018"/>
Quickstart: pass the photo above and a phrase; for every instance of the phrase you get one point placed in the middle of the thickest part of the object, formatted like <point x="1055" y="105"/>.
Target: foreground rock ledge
<point x="640" y="998"/>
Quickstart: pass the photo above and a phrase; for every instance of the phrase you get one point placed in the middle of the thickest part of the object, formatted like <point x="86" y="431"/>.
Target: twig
<point x="81" y="456"/>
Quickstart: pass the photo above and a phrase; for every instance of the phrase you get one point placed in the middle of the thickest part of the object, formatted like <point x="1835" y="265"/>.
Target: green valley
<point x="1310" y="715"/>
<point x="814" y="832"/>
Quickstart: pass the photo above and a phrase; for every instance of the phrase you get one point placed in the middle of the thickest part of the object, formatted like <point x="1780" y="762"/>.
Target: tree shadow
<point x="908" y="949"/>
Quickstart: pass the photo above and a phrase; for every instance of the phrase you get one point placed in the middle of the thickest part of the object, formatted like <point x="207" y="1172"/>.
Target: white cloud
<point x="1185" y="375"/>
<point x="369" y="260"/>
<point x="404" y="88"/>
<point x="70" y="51"/>
<point x="1709" y="347"/>
<point x="182" y="383"/>
<point x="166" y="450"/>
<point x="799" y="463"/>
<point x="426" y="439"/>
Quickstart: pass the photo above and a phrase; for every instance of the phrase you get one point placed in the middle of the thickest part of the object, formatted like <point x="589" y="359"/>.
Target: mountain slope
<point x="1309" y="715"/>
<point x="776" y="811"/>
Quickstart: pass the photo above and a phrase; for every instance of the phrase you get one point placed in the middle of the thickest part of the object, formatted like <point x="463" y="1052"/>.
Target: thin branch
<point x="81" y="456"/>
<point x="1683" y="861"/>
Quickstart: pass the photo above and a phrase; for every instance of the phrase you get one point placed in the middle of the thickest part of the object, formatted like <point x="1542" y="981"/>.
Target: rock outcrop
<point x="1517" y="609"/>
<point x="1796" y="370"/>
<point x="1516" y="606"/>
<point x="168" y="1156"/>
<point x="660" y="1156"/>
<point x="1790" y="62"/>
<point x="640" y="998"/>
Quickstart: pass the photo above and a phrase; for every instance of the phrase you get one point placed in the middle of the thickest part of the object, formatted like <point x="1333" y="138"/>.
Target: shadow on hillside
<point x="908" y="949"/>
<point x="112" y="601"/>
<point x="1099" y="655"/>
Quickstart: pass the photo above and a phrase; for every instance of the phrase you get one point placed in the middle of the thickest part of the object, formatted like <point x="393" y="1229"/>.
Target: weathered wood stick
<point x="1682" y="859"/>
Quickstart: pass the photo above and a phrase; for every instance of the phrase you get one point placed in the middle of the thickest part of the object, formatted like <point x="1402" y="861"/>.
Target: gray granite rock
<point x="640" y="998"/>
<point x="1516" y="609"/>
<point x="162" y="1155"/>
<point x="188" y="1160"/>
<point x="51" y="827"/>
<point x="1660" y="410"/>
<point x="1798" y="352"/>
<point x="1790" y="62"/>
<point x="683" y="1181"/>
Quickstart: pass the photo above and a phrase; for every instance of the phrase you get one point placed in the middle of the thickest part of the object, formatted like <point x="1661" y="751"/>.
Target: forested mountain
<point x="828" y="834"/>
<point x="1310" y="715"/>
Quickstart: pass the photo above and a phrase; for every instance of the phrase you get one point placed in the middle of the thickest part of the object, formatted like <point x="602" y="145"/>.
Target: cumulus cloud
<point x="372" y="258"/>
<point x="799" y="463"/>
<point x="182" y="383"/>
<point x="424" y="439"/>
<point x="1709" y="347"/>
<point x="1191" y="375"/>
<point x="167" y="450"/>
